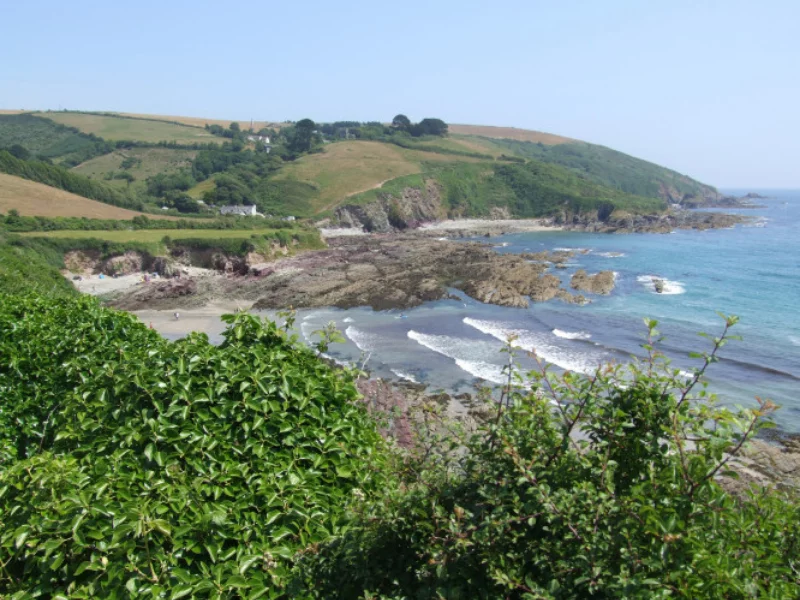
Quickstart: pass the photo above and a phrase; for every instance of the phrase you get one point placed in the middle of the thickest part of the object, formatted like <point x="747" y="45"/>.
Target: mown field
<point x="511" y="133"/>
<point x="202" y="122"/>
<point x="138" y="130"/>
<point x="156" y="235"/>
<point x="36" y="199"/>
<point x="148" y="162"/>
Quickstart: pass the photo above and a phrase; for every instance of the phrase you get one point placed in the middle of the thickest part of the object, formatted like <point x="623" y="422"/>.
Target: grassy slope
<point x="348" y="168"/>
<point x="36" y="199"/>
<point x="202" y="122"/>
<point x="139" y="130"/>
<point x="608" y="167"/>
<point x="511" y="133"/>
<point x="153" y="161"/>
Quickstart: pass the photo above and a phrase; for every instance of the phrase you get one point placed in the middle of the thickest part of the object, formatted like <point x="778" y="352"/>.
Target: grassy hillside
<point x="126" y="128"/>
<point x="510" y="133"/>
<point x="202" y="122"/>
<point x="31" y="265"/>
<point x="31" y="198"/>
<point x="347" y="168"/>
<point x="611" y="168"/>
<point x="140" y="163"/>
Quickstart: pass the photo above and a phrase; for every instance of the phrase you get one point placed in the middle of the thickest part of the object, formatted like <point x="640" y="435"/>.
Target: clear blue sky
<point x="709" y="88"/>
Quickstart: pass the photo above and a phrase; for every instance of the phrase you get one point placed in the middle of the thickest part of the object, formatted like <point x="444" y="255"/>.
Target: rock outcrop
<point x="599" y="283"/>
<point x="389" y="213"/>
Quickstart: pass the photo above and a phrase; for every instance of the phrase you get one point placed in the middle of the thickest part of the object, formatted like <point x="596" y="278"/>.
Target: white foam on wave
<point x="540" y="343"/>
<point x="612" y="254"/>
<point x="307" y="330"/>
<point x="347" y="320"/>
<point x="466" y="353"/>
<point x="364" y="341"/>
<point x="794" y="340"/>
<point x="443" y="239"/>
<point x="502" y="245"/>
<point x="571" y="335"/>
<point x="671" y="288"/>
<point x="404" y="375"/>
<point x="565" y="249"/>
<point x="482" y="370"/>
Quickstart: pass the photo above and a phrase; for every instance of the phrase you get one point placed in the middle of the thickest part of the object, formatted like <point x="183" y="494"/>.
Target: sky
<point x="709" y="88"/>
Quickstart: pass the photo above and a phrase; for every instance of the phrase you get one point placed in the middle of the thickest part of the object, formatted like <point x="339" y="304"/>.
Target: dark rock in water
<point x="659" y="285"/>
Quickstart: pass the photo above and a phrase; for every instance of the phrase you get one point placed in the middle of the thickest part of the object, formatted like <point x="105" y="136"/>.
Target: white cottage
<point x="242" y="211"/>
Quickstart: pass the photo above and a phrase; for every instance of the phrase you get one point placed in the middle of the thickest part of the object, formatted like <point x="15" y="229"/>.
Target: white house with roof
<point x="239" y="210"/>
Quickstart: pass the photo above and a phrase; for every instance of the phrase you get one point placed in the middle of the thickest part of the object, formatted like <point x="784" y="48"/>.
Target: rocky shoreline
<point x="382" y="271"/>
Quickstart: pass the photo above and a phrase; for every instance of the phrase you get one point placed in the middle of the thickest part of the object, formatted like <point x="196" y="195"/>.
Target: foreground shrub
<point x="585" y="487"/>
<point x="136" y="466"/>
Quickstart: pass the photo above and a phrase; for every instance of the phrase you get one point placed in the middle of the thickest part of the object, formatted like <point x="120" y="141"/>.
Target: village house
<point x="242" y="211"/>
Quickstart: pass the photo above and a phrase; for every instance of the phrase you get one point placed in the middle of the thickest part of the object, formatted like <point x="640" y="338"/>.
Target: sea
<point x="750" y="270"/>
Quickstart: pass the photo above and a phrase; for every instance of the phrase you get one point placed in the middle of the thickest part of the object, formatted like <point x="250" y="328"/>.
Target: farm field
<point x="36" y="199"/>
<point x="156" y="235"/>
<point x="149" y="162"/>
<point x="138" y="130"/>
<point x="511" y="133"/>
<point x="202" y="122"/>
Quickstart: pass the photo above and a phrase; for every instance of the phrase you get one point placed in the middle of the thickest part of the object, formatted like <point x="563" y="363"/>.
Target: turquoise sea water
<point x="752" y="271"/>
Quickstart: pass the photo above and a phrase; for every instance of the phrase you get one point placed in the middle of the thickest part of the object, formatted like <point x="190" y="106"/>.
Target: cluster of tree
<point x="435" y="127"/>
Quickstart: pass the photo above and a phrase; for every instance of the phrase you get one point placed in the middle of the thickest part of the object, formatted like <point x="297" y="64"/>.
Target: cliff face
<point x="411" y="208"/>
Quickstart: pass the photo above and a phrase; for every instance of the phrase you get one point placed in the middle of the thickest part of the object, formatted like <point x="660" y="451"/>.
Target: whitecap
<point x="612" y="254"/>
<point x="404" y="375"/>
<point x="467" y="353"/>
<point x="795" y="340"/>
<point x="482" y="370"/>
<point x="572" y="335"/>
<point x="502" y="245"/>
<point x="307" y="329"/>
<point x="670" y="287"/>
<point x="366" y="342"/>
<point x="544" y="346"/>
<point x="348" y="320"/>
<point x="443" y="239"/>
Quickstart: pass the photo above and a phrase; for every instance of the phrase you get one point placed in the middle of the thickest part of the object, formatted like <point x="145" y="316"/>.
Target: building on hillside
<point x="264" y="139"/>
<point x="242" y="211"/>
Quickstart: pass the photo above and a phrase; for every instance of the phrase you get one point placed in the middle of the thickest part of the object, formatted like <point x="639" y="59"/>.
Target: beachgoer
<point x="177" y="315"/>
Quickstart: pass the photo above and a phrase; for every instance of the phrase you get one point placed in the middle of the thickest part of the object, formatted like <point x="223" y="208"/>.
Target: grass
<point x="36" y="199"/>
<point x="393" y="187"/>
<point x="151" y="161"/>
<point x="511" y="133"/>
<point x="202" y="122"/>
<point x="349" y="168"/>
<point x="204" y="186"/>
<point x="138" y="130"/>
<point x="156" y="235"/>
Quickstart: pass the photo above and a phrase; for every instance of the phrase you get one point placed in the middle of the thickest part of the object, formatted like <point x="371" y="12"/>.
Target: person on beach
<point x="177" y="315"/>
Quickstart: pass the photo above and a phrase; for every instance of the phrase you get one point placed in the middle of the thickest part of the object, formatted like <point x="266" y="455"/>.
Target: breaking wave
<point x="366" y="342"/>
<point x="542" y="344"/>
<point x="405" y="376"/>
<point x="571" y="335"/>
<point x="466" y="353"/>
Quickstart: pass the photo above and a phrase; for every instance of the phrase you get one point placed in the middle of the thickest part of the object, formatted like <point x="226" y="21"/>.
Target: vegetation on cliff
<point x="133" y="466"/>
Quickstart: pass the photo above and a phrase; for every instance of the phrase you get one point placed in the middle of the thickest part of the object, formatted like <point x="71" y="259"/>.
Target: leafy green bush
<point x="136" y="466"/>
<point x="585" y="487"/>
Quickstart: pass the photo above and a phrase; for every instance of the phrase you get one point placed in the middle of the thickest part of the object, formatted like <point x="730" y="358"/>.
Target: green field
<point x="156" y="235"/>
<point x="148" y="162"/>
<point x="137" y="130"/>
